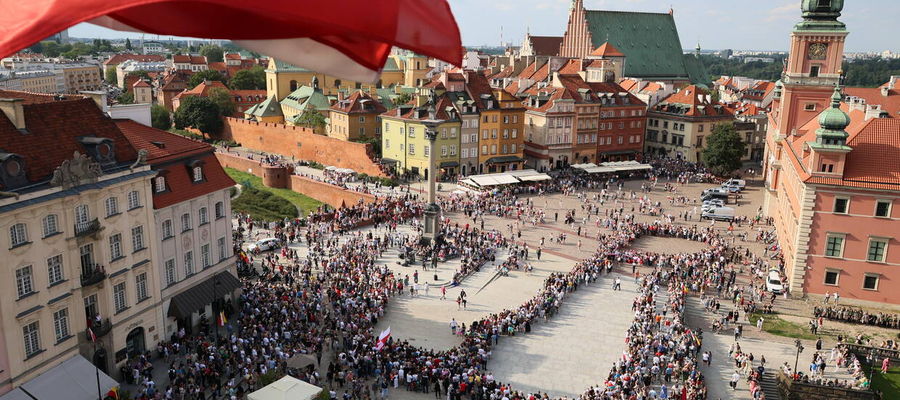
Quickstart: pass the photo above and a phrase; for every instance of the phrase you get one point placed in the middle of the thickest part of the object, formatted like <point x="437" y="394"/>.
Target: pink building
<point x="832" y="170"/>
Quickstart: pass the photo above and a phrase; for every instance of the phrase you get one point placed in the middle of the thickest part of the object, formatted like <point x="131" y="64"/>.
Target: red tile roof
<point x="607" y="50"/>
<point x="120" y="58"/>
<point x="33" y="98"/>
<point x="52" y="129"/>
<point x="553" y="94"/>
<point x="232" y="56"/>
<point x="188" y="59"/>
<point x="573" y="82"/>
<point x="354" y="104"/>
<point x="889" y="103"/>
<point x="141" y="83"/>
<point x="202" y="89"/>
<point x="694" y="98"/>
<point x="178" y="176"/>
<point x="571" y="67"/>
<point x="545" y="45"/>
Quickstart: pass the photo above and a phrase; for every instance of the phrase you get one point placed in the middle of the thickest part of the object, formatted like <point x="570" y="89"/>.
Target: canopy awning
<point x="185" y="303"/>
<point x="449" y="164"/>
<point x="285" y="388"/>
<point x="583" y="166"/>
<point x="599" y="170"/>
<point x="503" y="159"/>
<point x="73" y="379"/>
<point x="534" y="178"/>
<point x="388" y="161"/>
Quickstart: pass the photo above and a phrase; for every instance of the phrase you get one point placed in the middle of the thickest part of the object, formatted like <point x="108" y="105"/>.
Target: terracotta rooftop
<point x="120" y="58"/>
<point x="359" y="102"/>
<point x="188" y="59"/>
<point x="545" y="45"/>
<point x="690" y="101"/>
<point x="607" y="50"/>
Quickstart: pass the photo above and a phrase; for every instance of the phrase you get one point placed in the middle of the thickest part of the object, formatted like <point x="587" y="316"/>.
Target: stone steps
<point x="769" y="385"/>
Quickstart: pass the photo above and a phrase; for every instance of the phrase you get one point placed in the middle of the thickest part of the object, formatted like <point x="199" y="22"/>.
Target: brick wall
<point x="302" y="144"/>
<point x="326" y="193"/>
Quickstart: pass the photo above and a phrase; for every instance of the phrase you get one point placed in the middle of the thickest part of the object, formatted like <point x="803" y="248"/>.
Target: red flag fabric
<point x="92" y="336"/>
<point x="350" y="39"/>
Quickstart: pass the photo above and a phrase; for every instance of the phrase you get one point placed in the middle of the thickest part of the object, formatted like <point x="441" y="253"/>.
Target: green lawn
<point x="777" y="326"/>
<point x="888" y="384"/>
<point x="305" y="203"/>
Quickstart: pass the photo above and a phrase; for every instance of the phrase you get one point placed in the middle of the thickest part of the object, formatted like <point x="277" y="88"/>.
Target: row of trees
<point x="203" y="113"/>
<point x="859" y="73"/>
<point x="245" y="79"/>
<point x="50" y="48"/>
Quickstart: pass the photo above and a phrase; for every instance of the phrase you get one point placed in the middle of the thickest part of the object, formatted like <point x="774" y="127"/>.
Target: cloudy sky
<point x="716" y="24"/>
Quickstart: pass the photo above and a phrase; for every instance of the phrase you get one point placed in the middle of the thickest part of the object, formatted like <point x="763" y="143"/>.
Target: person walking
<point x="617" y="285"/>
<point x="443" y="292"/>
<point x="453" y="325"/>
<point x="735" y="378"/>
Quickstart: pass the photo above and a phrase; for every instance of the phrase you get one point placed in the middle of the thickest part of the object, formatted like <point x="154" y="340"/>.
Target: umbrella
<point x="300" y="361"/>
<point x="350" y="39"/>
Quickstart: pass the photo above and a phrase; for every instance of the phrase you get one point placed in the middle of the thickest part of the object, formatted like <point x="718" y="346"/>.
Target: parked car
<point x="718" y="213"/>
<point x="731" y="188"/>
<point x="714" y="203"/>
<point x="773" y="282"/>
<point x="265" y="244"/>
<point x="717" y="190"/>
<point x="739" y="182"/>
<point x="715" y="196"/>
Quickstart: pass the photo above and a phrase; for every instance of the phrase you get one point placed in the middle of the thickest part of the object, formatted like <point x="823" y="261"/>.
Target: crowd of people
<point x="858" y="316"/>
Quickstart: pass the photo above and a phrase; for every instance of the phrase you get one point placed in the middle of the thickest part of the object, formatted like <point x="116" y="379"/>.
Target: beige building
<point x="143" y="92"/>
<point x="355" y="117"/>
<point x="81" y="77"/>
<point x="678" y="126"/>
<point x="78" y="226"/>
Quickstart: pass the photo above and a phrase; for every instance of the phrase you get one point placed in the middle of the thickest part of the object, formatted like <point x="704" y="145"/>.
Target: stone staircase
<point x="769" y="385"/>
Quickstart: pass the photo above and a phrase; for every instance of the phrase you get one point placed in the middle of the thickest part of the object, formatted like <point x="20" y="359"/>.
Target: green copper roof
<point x="268" y="108"/>
<point x="833" y="122"/>
<point x="649" y="41"/>
<point x="390" y="65"/>
<point x="282" y="66"/>
<point x="695" y="69"/>
<point x="306" y="96"/>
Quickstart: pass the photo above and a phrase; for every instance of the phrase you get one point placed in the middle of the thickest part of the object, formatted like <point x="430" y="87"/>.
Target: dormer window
<point x="197" y="173"/>
<point x="195" y="168"/>
<point x="159" y="184"/>
<point x="12" y="171"/>
<point x="102" y="150"/>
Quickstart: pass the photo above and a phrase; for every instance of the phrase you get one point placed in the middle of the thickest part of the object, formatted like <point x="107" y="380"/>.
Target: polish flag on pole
<point x="92" y="336"/>
<point x="350" y="39"/>
<point x="383" y="339"/>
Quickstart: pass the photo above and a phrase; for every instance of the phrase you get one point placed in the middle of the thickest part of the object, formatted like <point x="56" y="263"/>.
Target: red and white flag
<point x="383" y="339"/>
<point x="350" y="39"/>
<point x="92" y="336"/>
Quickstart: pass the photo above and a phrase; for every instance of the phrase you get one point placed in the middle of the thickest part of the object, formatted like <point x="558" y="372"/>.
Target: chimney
<point x="99" y="97"/>
<point x="14" y="111"/>
<point x="892" y="84"/>
<point x="885" y="90"/>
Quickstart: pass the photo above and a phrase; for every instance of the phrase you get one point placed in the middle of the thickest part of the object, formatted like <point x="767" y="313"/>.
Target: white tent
<point x="74" y="379"/>
<point x="287" y="388"/>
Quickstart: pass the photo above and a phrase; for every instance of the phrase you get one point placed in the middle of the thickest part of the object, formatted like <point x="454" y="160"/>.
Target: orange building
<point x="832" y="175"/>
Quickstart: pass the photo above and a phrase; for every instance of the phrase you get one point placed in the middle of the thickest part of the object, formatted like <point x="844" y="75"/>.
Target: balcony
<point x="92" y="275"/>
<point x="99" y="330"/>
<point x="87" y="228"/>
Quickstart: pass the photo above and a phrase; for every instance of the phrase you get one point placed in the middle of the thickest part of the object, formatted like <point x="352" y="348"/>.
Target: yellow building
<point x="283" y="78"/>
<point x="404" y="143"/>
<point x="267" y="111"/>
<point x="355" y="117"/>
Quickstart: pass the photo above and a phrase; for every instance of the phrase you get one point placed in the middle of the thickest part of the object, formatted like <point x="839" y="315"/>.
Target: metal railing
<point x="92" y="275"/>
<point x="87" y="228"/>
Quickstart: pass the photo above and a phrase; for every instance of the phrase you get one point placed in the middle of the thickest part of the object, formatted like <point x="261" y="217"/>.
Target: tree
<point x="249" y="79"/>
<point x="128" y="44"/>
<point x="160" y="118"/>
<point x="111" y="76"/>
<point x="724" y="150"/>
<point x="126" y="98"/>
<point x="51" y="49"/>
<point x="222" y="99"/>
<point x="199" y="113"/>
<point x="403" y="98"/>
<point x="212" y="53"/>
<point x="37" y="47"/>
<point x="208" y="75"/>
<point x="141" y="74"/>
<point x="311" y="119"/>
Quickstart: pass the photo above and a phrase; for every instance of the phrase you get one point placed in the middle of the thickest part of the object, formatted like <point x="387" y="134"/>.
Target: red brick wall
<point x="326" y="193"/>
<point x="302" y="144"/>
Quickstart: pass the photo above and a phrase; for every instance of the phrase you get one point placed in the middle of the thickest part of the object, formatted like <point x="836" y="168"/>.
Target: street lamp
<point x="799" y="345"/>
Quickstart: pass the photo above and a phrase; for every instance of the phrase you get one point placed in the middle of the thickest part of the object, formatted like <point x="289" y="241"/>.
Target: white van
<point x="718" y="213"/>
<point x="773" y="282"/>
<point x="735" y="182"/>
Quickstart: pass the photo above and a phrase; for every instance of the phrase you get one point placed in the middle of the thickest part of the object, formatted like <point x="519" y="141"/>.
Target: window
<point x="515" y="133"/>
<point x="61" y="324"/>
<point x="115" y="246"/>
<point x="443" y="133"/>
<point x="220" y="210"/>
<point x="204" y="255"/>
<point x="222" y="250"/>
<point x="185" y="222"/>
<point x="883" y="208"/>
<point x="140" y="284"/>
<point x="814" y="71"/>
<point x="443" y="151"/>
<point x="427" y="150"/>
<point x="24" y="281"/>
<point x="119" y="297"/>
<point x="506" y="133"/>
<point x="362" y="119"/>
<point x="506" y="119"/>
<point x="870" y="282"/>
<point x="809" y="107"/>
<point x="484" y="149"/>
<point x="504" y="149"/>
<point x="137" y="238"/>
<point x="203" y="216"/>
<point x="412" y="149"/>
<point x="834" y="245"/>
<point x="832" y="276"/>
<point x="112" y="206"/>
<point x="464" y="153"/>
<point x="513" y="148"/>
<point x="493" y="133"/>
<point x="700" y="140"/>
<point x="188" y="263"/>
<point x="54" y="269"/>
<point x="159" y="185"/>
<point x="452" y="149"/>
<point x="493" y="149"/>
<point x="18" y="235"/>
<point x="412" y="131"/>
<point x="621" y="139"/>
<point x="197" y="174"/>
<point x="170" y="272"/>
<point x="32" y="339"/>
<point x="134" y="200"/>
<point x="50" y="224"/>
<point x="877" y="249"/>
<point x="167" y="229"/>
<point x="841" y="205"/>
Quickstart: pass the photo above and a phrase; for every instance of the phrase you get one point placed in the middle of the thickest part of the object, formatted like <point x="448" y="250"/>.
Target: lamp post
<point x="799" y="345"/>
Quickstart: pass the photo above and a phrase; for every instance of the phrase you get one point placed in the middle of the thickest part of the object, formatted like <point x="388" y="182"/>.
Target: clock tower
<point x="814" y="64"/>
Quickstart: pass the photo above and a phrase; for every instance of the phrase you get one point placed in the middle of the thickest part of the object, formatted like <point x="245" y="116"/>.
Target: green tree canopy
<point x="222" y="99"/>
<point x="128" y="44"/>
<point x="199" y="113"/>
<point x="208" y="75"/>
<point x="249" y="79"/>
<point x="126" y="98"/>
<point x="311" y="118"/>
<point x="111" y="76"/>
<point x="160" y="118"/>
<point x="724" y="150"/>
<point x="212" y="53"/>
<point x="403" y="98"/>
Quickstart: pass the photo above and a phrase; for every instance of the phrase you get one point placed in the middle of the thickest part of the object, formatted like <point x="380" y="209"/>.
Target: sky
<point x="715" y="24"/>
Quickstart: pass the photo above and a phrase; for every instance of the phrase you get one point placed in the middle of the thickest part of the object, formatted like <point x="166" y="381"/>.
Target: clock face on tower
<point x="817" y="51"/>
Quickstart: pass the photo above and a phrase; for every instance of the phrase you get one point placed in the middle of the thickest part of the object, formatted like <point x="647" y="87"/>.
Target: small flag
<point x="92" y="336"/>
<point x="383" y="338"/>
<point x="222" y="319"/>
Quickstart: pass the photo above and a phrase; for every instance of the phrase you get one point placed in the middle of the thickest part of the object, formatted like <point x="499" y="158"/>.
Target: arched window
<point x="293" y="85"/>
<point x="337" y="83"/>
